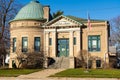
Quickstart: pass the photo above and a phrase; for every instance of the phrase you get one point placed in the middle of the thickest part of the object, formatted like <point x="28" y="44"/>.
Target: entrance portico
<point x="60" y="37"/>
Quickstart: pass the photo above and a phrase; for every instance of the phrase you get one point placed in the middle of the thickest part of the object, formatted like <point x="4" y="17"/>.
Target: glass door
<point x="63" y="47"/>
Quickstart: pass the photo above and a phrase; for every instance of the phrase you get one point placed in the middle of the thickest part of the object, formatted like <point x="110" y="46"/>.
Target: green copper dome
<point x="32" y="11"/>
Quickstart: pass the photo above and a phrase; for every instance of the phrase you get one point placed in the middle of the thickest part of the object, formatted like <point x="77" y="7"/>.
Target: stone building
<point x="65" y="39"/>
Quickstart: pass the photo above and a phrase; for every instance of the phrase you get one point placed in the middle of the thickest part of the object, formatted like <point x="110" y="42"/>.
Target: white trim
<point x="62" y="30"/>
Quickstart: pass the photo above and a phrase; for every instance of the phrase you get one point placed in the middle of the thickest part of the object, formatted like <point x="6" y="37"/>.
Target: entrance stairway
<point x="60" y="62"/>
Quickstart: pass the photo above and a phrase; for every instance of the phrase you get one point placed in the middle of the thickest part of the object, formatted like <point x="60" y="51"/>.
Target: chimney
<point x="46" y="9"/>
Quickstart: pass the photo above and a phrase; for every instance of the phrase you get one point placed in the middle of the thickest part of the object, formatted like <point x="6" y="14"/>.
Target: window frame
<point x="95" y="38"/>
<point x="50" y="41"/>
<point x="14" y="44"/>
<point x="24" y="49"/>
<point x="74" y="40"/>
<point x="35" y="47"/>
<point x="98" y="63"/>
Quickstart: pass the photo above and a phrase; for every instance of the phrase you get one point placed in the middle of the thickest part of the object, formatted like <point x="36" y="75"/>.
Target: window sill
<point x="94" y="51"/>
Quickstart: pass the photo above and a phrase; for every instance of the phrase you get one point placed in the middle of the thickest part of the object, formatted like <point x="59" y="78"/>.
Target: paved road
<point x="43" y="75"/>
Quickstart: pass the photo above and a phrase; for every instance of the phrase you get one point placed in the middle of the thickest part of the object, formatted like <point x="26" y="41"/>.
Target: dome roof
<point x="32" y="11"/>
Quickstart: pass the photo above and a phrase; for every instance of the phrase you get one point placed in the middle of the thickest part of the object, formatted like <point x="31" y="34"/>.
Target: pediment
<point x="62" y="21"/>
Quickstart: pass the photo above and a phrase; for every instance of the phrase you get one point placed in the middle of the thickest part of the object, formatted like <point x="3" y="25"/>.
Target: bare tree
<point x="34" y="60"/>
<point x="8" y="9"/>
<point x="86" y="60"/>
<point x="115" y="30"/>
<point x="30" y="60"/>
<point x="82" y="59"/>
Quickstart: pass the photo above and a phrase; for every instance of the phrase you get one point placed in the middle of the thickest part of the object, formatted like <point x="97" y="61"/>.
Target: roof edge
<point x="62" y="16"/>
<point x="27" y="19"/>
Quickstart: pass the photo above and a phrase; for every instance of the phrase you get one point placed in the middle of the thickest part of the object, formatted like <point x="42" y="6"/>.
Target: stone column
<point x="46" y="48"/>
<point x="54" y="45"/>
<point x="71" y="44"/>
<point x="71" y="56"/>
<point x="78" y="41"/>
<point x="47" y="44"/>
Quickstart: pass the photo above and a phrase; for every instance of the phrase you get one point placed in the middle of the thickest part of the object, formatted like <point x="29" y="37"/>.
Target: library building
<point x="65" y="41"/>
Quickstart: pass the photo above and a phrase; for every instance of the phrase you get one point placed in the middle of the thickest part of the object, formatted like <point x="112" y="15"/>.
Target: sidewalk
<point x="41" y="74"/>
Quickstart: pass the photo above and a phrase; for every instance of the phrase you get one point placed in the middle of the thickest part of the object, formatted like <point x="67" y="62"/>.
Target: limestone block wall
<point x="25" y="23"/>
<point x="97" y="29"/>
<point x="19" y="30"/>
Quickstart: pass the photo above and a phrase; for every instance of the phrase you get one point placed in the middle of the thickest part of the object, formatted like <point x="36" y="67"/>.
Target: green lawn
<point x="16" y="72"/>
<point x="93" y="73"/>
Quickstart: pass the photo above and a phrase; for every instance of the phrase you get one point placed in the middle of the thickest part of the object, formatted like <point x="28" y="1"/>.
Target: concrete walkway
<point x="43" y="75"/>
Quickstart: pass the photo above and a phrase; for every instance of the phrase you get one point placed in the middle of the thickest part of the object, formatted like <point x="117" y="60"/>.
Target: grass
<point x="16" y="72"/>
<point x="93" y="73"/>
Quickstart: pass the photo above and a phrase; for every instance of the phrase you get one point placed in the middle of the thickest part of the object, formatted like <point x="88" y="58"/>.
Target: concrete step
<point x="60" y="62"/>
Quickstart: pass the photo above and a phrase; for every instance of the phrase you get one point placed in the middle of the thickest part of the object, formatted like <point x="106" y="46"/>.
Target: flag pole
<point x="87" y="62"/>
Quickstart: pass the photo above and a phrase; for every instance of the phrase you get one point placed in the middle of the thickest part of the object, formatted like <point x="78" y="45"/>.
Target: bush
<point x="33" y="60"/>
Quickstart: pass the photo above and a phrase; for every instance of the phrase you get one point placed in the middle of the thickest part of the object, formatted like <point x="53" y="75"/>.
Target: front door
<point x="63" y="47"/>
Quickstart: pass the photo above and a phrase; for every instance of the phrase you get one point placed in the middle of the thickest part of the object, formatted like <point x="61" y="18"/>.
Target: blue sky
<point x="98" y="9"/>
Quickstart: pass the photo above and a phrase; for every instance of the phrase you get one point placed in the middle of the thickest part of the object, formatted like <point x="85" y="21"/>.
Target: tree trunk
<point x="3" y="60"/>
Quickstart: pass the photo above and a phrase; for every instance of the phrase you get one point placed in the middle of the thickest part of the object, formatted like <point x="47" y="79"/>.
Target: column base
<point x="71" y="62"/>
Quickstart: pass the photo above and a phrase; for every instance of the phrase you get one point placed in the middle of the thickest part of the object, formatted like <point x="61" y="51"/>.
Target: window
<point x="37" y="44"/>
<point x="98" y="63"/>
<point x="74" y="40"/>
<point x="24" y="44"/>
<point x="94" y="43"/>
<point x="50" y="41"/>
<point x="14" y="44"/>
<point x="90" y="63"/>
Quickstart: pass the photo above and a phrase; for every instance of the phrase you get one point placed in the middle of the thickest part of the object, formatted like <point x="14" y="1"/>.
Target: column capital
<point x="71" y="31"/>
<point x="47" y="32"/>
